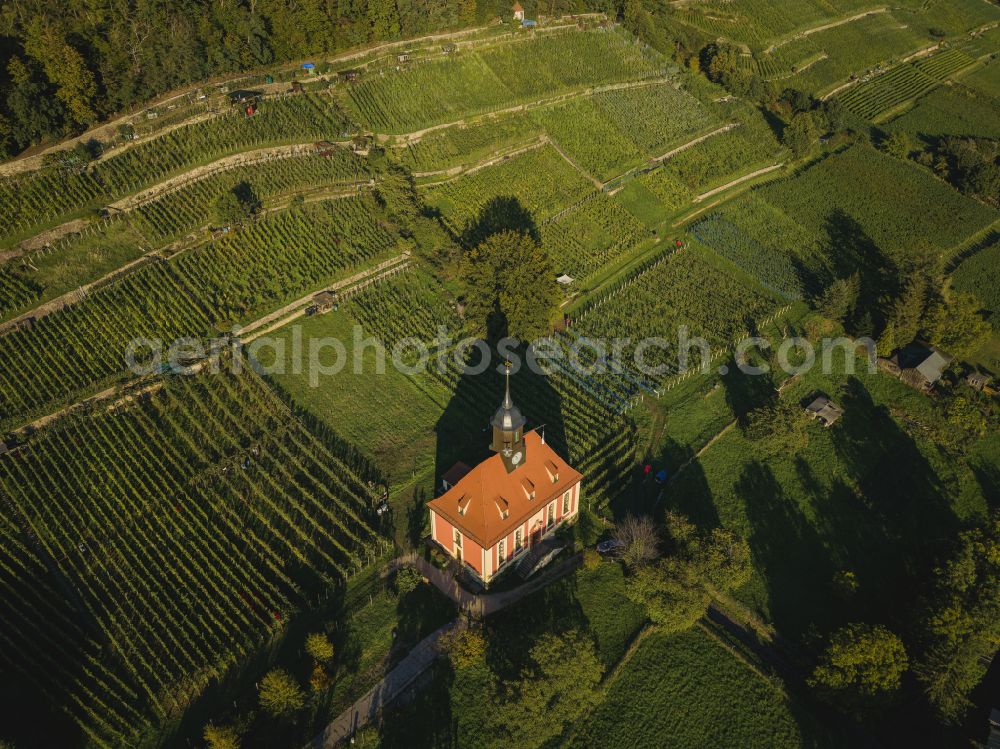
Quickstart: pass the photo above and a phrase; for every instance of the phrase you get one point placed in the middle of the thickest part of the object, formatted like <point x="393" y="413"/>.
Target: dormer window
<point x="529" y="488"/>
<point x="463" y="504"/>
<point x="503" y="507"/>
<point x="553" y="470"/>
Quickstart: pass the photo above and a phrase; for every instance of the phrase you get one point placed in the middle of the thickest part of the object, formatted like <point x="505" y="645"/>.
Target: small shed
<point x="978" y="381"/>
<point x="308" y="67"/>
<point x="920" y="366"/>
<point x="349" y="75"/>
<point x="518" y="11"/>
<point x="453" y="475"/>
<point x="322" y="302"/>
<point x="403" y="57"/>
<point x="825" y="411"/>
<point x="564" y="280"/>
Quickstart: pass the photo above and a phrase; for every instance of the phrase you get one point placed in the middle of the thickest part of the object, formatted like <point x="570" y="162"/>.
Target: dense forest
<point x="65" y="66"/>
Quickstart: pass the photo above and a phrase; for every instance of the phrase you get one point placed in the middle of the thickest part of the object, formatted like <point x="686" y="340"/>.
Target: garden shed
<point x="825" y="411"/>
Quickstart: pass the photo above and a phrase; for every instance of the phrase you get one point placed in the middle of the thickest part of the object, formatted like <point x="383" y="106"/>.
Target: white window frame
<point x="567" y="502"/>
<point x="550" y="515"/>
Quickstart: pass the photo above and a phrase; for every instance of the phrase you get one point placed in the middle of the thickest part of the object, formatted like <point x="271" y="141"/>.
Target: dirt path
<point x="416" y="135"/>
<point x="491" y="161"/>
<point x="824" y="27"/>
<point x="696" y="141"/>
<point x="105" y="130"/>
<point x="245" y="158"/>
<point x="280" y="318"/>
<point x="596" y="182"/>
<point x="358" y="280"/>
<point x="737" y="181"/>
<point x="390" y="687"/>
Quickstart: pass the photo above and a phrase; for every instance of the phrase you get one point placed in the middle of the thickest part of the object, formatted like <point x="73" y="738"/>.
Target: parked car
<point x="612" y="547"/>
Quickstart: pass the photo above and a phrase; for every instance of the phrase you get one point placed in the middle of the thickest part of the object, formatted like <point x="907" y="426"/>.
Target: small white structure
<point x="564" y="280"/>
<point x="825" y="411"/>
<point x="518" y="11"/>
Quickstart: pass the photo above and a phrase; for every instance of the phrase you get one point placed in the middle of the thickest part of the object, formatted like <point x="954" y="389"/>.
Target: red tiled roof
<point x="475" y="505"/>
<point x="456" y="473"/>
<point x="517" y="7"/>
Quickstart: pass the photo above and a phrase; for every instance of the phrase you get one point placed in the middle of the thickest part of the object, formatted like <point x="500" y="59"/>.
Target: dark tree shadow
<point x="788" y="550"/>
<point x="746" y="392"/>
<point x="463" y="431"/>
<point x="851" y="250"/>
<point x="988" y="477"/>
<point x="502" y="213"/>
<point x="686" y="490"/>
<point x="901" y="515"/>
<point x="422" y="716"/>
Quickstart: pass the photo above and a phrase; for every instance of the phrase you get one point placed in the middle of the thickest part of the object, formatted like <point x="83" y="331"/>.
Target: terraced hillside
<point x="168" y="533"/>
<point x="149" y="548"/>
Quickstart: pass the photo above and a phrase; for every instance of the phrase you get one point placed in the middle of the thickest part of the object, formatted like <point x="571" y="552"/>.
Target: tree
<point x="862" y="666"/>
<point x="904" y="318"/>
<point x="464" y="647"/>
<point x="397" y="192"/>
<point x="776" y="428"/>
<point x="279" y="695"/>
<point x="963" y="622"/>
<point x="674" y="597"/>
<point x="34" y="114"/>
<point x="724" y="560"/>
<point x="677" y="589"/>
<point x="221" y="737"/>
<point x="319" y="647"/>
<point x="835" y="114"/>
<point x="237" y="206"/>
<point x="956" y="325"/>
<point x="719" y="61"/>
<point x="384" y="18"/>
<point x="840" y="299"/>
<point x="65" y="68"/>
<point x="510" y="288"/>
<point x="640" y="538"/>
<point x="800" y="135"/>
<point x="898" y="144"/>
<point x="558" y="686"/>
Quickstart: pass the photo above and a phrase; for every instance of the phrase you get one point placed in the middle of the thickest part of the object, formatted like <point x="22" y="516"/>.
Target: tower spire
<point x="508" y="427"/>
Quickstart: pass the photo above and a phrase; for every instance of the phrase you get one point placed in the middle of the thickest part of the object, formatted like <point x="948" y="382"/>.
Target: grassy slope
<point x="687" y="691"/>
<point x="866" y="496"/>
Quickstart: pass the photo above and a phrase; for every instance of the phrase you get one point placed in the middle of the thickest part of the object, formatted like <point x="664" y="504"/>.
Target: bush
<point x="318" y="646"/>
<point x="464" y="647"/>
<point x="591" y="559"/>
<point x="407" y="580"/>
<point x="219" y="737"/>
<point x="279" y="694"/>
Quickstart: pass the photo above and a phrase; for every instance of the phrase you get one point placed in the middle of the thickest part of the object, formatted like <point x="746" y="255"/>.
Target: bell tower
<point x="508" y="429"/>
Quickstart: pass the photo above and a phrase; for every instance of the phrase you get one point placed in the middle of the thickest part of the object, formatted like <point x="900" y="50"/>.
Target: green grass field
<point x="864" y="196"/>
<point x="833" y="505"/>
<point x="688" y="691"/>
<point x="960" y="111"/>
